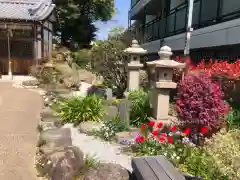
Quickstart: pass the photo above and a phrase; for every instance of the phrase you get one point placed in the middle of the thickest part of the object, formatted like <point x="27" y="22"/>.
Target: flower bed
<point x="178" y="146"/>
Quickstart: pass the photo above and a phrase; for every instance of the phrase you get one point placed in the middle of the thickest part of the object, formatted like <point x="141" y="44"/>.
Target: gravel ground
<point x="103" y="151"/>
<point x="19" y="110"/>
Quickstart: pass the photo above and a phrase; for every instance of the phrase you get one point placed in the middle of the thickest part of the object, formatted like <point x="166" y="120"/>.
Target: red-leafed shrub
<point x="221" y="71"/>
<point x="199" y="101"/>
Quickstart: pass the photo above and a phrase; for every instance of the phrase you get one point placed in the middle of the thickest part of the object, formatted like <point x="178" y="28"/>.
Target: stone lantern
<point x="134" y="66"/>
<point x="162" y="83"/>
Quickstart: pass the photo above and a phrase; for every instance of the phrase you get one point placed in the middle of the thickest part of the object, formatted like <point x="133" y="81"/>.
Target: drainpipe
<point x="188" y="33"/>
<point x="189" y="28"/>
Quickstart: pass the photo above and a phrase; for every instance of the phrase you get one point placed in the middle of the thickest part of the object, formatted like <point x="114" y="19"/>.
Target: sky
<point x="120" y="19"/>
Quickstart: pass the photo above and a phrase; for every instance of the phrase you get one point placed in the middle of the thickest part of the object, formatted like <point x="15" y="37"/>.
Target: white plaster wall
<point x="226" y="33"/>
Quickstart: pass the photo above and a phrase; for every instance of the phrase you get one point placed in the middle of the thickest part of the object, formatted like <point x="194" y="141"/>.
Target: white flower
<point x="165" y="154"/>
<point x="49" y="162"/>
<point x="177" y="157"/>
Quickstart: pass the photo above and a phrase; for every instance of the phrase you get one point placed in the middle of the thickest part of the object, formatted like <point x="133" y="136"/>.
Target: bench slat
<point x="157" y="169"/>
<point x="142" y="170"/>
<point x="169" y="168"/>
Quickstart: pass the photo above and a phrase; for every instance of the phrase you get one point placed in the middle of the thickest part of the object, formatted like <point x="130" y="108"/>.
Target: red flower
<point x="162" y="139"/>
<point x="159" y="125"/>
<point x="204" y="130"/>
<point x="174" y="128"/>
<point x="140" y="139"/>
<point x="170" y="139"/>
<point x="187" y="131"/>
<point x="155" y="132"/>
<point x="143" y="126"/>
<point x="151" y="123"/>
<point x="164" y="134"/>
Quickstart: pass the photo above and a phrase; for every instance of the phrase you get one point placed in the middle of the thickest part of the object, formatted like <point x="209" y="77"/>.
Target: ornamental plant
<point x="199" y="102"/>
<point x="225" y="150"/>
<point x="165" y="140"/>
<point x="76" y="110"/>
<point x="174" y="143"/>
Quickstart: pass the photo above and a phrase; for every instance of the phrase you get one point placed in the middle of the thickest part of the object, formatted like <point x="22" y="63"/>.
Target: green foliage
<point x="234" y="118"/>
<point x="76" y="110"/>
<point x="199" y="163"/>
<point x="225" y="150"/>
<point x="82" y="58"/>
<point x="110" y="128"/>
<point x="140" y="107"/>
<point x="108" y="59"/>
<point x="75" y="20"/>
<point x="90" y="162"/>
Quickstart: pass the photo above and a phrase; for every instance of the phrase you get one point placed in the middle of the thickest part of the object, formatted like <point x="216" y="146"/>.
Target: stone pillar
<point x="135" y="51"/>
<point x="162" y="83"/>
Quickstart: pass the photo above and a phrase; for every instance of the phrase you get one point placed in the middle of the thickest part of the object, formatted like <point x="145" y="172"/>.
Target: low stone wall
<point x="58" y="159"/>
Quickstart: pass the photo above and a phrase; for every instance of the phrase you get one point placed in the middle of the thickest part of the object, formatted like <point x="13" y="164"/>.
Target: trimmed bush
<point x="199" y="101"/>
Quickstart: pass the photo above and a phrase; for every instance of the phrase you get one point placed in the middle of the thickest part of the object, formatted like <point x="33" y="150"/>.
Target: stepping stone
<point x="58" y="137"/>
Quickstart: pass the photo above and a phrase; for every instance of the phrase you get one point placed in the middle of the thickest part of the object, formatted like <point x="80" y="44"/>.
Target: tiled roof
<point x="36" y="10"/>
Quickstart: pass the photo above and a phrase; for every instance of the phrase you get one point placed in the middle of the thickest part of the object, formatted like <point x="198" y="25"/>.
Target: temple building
<point x="25" y="34"/>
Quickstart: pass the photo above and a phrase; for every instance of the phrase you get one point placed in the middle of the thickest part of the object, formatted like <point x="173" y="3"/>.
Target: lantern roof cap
<point x="135" y="48"/>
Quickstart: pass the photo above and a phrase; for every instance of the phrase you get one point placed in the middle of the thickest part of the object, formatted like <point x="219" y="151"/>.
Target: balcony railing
<point x="205" y="13"/>
<point x="133" y="3"/>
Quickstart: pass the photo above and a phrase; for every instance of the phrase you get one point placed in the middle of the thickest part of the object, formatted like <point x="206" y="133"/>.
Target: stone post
<point x="162" y="83"/>
<point x="134" y="66"/>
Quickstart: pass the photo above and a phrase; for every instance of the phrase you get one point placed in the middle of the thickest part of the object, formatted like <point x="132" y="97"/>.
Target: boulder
<point x="58" y="137"/>
<point x="107" y="171"/>
<point x="62" y="163"/>
<point x="86" y="127"/>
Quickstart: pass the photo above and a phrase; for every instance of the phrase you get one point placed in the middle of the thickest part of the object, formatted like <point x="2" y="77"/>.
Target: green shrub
<point x="140" y="107"/>
<point x="76" y="110"/>
<point x="225" y="150"/>
<point x="199" y="163"/>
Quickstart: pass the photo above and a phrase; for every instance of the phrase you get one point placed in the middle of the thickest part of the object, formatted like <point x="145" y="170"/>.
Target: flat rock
<point x="111" y="112"/>
<point x="30" y="83"/>
<point x="62" y="163"/>
<point x="57" y="137"/>
<point x="86" y="127"/>
<point x="127" y="137"/>
<point x="107" y="171"/>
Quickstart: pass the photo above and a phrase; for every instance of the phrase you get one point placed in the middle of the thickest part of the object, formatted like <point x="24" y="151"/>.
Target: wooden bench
<point x="155" y="168"/>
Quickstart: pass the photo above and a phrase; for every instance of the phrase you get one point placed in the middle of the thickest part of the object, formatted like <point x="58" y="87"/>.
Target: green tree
<point x="75" y="20"/>
<point x="109" y="60"/>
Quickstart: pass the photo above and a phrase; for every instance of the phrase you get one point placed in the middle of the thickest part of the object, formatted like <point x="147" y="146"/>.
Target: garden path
<point x="19" y="111"/>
